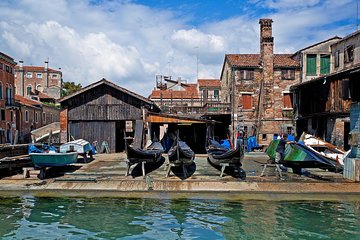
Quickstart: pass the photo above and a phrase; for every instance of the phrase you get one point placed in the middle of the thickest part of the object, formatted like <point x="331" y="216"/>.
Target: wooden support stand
<point x="129" y="165"/>
<point x="223" y="166"/>
<point x="277" y="167"/>
<point x="169" y="166"/>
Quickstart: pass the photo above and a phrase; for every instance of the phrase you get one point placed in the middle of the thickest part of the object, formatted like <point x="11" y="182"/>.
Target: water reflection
<point x="74" y="218"/>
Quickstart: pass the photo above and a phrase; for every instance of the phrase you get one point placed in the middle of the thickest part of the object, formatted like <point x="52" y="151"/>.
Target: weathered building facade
<point x="315" y="60"/>
<point x="32" y="80"/>
<point x="257" y="86"/>
<point x="179" y="97"/>
<point x="102" y="112"/>
<point x="323" y="104"/>
<point x="32" y="115"/>
<point x="7" y="102"/>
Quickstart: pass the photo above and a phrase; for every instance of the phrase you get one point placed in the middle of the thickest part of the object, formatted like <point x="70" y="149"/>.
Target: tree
<point x="70" y="87"/>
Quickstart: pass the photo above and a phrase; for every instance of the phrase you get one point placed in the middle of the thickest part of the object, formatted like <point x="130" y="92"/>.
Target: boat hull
<point x="53" y="159"/>
<point x="137" y="155"/>
<point x="219" y="156"/>
<point x="181" y="154"/>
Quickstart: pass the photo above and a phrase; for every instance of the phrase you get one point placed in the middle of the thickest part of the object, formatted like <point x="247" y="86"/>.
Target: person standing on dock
<point x="280" y="150"/>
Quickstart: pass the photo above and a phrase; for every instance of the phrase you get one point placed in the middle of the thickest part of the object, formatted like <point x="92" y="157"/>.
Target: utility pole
<point x="197" y="63"/>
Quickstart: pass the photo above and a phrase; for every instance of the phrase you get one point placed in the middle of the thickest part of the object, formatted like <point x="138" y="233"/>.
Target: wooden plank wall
<point x="104" y="103"/>
<point x="95" y="131"/>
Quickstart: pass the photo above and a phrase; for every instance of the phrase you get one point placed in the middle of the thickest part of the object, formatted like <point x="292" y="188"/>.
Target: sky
<point x="129" y="42"/>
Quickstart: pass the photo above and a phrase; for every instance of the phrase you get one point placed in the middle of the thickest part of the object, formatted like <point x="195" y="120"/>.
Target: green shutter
<point x="325" y="64"/>
<point x="311" y="65"/>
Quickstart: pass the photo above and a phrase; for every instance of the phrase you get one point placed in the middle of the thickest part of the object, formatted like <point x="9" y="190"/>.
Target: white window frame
<point x="44" y="117"/>
<point x="38" y="75"/>
<point x="26" y="116"/>
<point x="29" y="74"/>
<point x="36" y="117"/>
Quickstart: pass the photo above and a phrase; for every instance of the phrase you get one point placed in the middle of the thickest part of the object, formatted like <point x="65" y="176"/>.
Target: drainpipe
<point x="22" y="78"/>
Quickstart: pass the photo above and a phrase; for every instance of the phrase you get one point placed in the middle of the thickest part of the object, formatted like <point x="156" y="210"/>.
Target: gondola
<point x="220" y="157"/>
<point x="180" y="155"/>
<point x="137" y="155"/>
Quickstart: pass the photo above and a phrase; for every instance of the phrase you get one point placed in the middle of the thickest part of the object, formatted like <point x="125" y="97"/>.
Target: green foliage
<point x="70" y="88"/>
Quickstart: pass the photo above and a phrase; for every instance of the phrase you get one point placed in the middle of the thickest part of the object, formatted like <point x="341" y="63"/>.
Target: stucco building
<point x="32" y="80"/>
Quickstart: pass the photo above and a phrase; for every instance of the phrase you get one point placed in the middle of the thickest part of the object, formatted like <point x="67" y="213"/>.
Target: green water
<point x="74" y="218"/>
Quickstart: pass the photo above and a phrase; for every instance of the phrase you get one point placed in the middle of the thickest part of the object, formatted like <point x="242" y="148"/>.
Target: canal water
<point x="75" y="218"/>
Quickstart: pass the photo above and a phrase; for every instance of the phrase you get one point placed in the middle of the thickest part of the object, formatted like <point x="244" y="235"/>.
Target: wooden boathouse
<point x="101" y="112"/>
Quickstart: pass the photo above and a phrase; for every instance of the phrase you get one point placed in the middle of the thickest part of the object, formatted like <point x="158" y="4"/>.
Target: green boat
<point x="54" y="159"/>
<point x="298" y="156"/>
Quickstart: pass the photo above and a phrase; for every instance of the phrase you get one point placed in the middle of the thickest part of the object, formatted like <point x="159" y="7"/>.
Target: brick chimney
<point x="267" y="49"/>
<point x="22" y="77"/>
<point x="46" y="68"/>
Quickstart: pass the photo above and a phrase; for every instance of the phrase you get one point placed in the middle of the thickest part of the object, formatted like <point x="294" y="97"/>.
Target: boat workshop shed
<point x="101" y="112"/>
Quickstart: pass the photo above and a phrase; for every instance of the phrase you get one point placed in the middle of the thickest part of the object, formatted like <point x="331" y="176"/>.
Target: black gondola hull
<point x="181" y="154"/>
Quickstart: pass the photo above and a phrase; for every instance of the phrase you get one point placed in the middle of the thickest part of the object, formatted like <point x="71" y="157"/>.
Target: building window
<point x="349" y="54"/>
<point x="324" y="64"/>
<point x="246" y="100"/>
<point x="29" y="74"/>
<point x="287" y="74"/>
<point x="38" y="75"/>
<point x="247" y="74"/>
<point x="288" y="100"/>
<point x="216" y="93"/>
<point x="346" y="89"/>
<point x="337" y="58"/>
<point x="1" y="90"/>
<point x="1" y="66"/>
<point x="205" y="94"/>
<point x="54" y="76"/>
<point x="36" y="117"/>
<point x="44" y="118"/>
<point x="11" y="116"/>
<point x="264" y="137"/>
<point x="2" y="113"/>
<point x="51" y="118"/>
<point x="311" y="65"/>
<point x="8" y="69"/>
<point x="26" y="116"/>
<point x="39" y="88"/>
<point x="289" y="130"/>
<point x="28" y="90"/>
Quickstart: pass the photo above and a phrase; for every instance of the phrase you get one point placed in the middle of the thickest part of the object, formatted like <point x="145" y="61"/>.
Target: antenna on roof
<point x="357" y="15"/>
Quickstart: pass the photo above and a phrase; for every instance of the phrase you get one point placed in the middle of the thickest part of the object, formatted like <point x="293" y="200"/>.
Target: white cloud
<point x="129" y="43"/>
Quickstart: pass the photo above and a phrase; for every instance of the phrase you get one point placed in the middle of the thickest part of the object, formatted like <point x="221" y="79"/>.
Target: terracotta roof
<point x="44" y="95"/>
<point x="209" y="83"/>
<point x="36" y="69"/>
<point x="27" y="101"/>
<point x="188" y="93"/>
<point x="253" y="60"/>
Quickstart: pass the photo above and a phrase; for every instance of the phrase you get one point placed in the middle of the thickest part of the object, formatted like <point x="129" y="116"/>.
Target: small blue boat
<point x="53" y="159"/>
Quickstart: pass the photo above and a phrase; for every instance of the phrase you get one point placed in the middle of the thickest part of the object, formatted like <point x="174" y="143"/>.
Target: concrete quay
<point x="105" y="177"/>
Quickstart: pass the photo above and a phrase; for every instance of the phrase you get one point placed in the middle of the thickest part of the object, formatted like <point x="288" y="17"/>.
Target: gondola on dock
<point x="221" y="158"/>
<point x="136" y="155"/>
<point x="180" y="155"/>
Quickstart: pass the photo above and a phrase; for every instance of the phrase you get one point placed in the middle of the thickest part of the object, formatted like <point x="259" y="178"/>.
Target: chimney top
<point x="266" y="21"/>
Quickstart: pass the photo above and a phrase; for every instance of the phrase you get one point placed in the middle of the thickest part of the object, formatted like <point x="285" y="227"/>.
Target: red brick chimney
<point x="267" y="49"/>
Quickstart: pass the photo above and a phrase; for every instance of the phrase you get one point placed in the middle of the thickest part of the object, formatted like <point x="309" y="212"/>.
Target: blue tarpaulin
<point x="252" y="143"/>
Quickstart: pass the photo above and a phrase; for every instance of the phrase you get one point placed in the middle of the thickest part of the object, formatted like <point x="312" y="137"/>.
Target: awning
<point x="165" y="118"/>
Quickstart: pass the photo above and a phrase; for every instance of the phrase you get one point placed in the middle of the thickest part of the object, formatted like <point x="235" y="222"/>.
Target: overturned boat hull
<point x="42" y="160"/>
<point x="181" y="154"/>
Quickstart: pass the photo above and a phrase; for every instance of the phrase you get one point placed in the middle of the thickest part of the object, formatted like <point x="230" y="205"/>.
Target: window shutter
<point x="325" y="64"/>
<point x="288" y="100"/>
<point x="311" y="65"/>
<point x="246" y="101"/>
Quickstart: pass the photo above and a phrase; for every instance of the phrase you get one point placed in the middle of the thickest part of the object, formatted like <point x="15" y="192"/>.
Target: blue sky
<point x="130" y="41"/>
